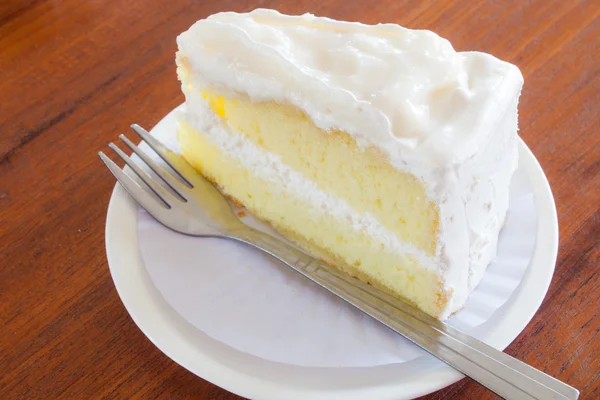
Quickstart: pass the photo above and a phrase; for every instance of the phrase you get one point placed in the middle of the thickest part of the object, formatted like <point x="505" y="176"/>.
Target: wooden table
<point x="76" y="73"/>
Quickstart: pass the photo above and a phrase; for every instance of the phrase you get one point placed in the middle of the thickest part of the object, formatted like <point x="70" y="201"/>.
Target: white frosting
<point x="447" y="117"/>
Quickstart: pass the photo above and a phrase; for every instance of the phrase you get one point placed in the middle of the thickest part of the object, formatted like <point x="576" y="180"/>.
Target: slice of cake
<point x="379" y="149"/>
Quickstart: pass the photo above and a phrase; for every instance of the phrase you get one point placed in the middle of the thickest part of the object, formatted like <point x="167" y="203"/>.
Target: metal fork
<point x="187" y="203"/>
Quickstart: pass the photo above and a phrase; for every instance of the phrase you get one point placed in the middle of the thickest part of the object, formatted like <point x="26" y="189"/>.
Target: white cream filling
<point x="269" y="167"/>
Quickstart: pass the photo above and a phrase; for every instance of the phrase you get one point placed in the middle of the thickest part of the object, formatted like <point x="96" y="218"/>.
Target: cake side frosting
<point x="447" y="117"/>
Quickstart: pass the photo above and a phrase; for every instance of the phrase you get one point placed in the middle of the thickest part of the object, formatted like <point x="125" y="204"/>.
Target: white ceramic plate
<point x="254" y="377"/>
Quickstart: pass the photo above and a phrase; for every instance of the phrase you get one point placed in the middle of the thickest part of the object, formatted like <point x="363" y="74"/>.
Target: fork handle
<point x="497" y="371"/>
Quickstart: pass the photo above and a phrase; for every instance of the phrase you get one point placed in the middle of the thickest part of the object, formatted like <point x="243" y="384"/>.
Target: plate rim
<point x="143" y="303"/>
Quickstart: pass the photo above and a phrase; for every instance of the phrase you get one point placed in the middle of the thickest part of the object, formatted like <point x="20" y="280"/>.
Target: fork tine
<point x="145" y="200"/>
<point x="176" y="185"/>
<point x="173" y="160"/>
<point x="158" y="190"/>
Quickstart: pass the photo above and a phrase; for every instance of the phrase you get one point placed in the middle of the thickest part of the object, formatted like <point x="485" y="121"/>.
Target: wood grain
<point x="75" y="73"/>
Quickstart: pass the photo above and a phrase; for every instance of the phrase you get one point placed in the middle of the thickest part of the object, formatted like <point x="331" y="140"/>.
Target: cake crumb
<point x="241" y="213"/>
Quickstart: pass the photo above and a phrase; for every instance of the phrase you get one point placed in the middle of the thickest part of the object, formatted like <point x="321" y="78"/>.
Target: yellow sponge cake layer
<point x="336" y="164"/>
<point x="332" y="239"/>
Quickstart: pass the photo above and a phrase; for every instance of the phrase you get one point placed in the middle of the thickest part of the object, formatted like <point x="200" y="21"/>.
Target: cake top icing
<point x="406" y="92"/>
